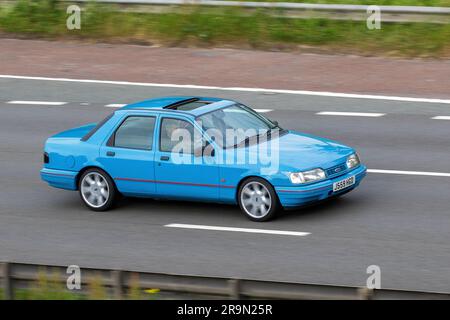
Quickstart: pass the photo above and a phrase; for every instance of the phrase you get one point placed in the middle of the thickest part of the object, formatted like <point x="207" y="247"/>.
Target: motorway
<point x="398" y="222"/>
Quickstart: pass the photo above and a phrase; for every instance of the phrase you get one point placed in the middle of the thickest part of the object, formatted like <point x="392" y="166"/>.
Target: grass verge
<point x="228" y="27"/>
<point x="427" y="3"/>
<point x="48" y="286"/>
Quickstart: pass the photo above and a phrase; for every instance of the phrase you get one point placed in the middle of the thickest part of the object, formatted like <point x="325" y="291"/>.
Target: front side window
<point x="136" y="132"/>
<point x="177" y="136"/>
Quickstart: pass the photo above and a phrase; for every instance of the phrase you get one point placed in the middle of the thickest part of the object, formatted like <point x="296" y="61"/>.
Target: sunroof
<point x="188" y="104"/>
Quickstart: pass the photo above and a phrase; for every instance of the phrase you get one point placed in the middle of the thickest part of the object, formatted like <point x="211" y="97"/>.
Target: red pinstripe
<point x="175" y="182"/>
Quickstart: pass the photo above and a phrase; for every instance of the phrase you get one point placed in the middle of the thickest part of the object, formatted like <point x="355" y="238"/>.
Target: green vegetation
<point x="51" y="288"/>
<point x="229" y="27"/>
<point x="428" y="3"/>
<point x="134" y="292"/>
<point x="96" y="289"/>
<point x="46" y="288"/>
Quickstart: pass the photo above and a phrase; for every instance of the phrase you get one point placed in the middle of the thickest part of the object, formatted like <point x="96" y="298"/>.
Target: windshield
<point x="233" y="125"/>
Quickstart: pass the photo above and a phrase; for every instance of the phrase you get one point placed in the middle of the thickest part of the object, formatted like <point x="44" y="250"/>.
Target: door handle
<point x="164" y="158"/>
<point x="110" y="153"/>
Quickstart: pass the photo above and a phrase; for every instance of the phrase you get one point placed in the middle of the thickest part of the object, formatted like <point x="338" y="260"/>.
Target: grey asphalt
<point x="400" y="223"/>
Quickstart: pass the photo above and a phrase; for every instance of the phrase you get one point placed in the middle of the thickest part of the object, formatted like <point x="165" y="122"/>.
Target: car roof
<point x="170" y="104"/>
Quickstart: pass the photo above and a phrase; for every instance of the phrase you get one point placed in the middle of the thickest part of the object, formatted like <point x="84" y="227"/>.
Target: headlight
<point x="307" y="176"/>
<point x="352" y="161"/>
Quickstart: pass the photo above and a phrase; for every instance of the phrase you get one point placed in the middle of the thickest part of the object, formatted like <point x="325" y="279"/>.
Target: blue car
<point x="200" y="149"/>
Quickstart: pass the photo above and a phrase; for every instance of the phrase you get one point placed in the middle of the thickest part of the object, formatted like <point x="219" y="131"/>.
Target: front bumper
<point x="60" y="178"/>
<point x="301" y="195"/>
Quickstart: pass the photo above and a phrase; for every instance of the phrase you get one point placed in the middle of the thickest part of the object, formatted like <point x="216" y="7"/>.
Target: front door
<point x="179" y="171"/>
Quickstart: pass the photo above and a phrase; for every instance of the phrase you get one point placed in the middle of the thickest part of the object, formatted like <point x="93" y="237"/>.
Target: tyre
<point x="97" y="190"/>
<point x="257" y="199"/>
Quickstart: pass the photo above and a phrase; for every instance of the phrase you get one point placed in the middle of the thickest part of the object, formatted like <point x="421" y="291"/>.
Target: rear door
<point x="178" y="171"/>
<point x="128" y="155"/>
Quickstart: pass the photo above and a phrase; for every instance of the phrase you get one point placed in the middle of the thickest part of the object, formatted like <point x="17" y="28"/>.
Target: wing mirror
<point x="205" y="151"/>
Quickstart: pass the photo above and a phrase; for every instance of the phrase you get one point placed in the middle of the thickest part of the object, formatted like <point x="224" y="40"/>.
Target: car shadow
<point x="329" y="207"/>
<point x="170" y="205"/>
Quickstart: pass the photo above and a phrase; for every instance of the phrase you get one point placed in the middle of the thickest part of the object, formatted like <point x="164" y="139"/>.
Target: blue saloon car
<point x="201" y="149"/>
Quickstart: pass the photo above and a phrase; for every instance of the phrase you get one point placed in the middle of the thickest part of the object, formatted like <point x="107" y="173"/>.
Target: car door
<point x="179" y="172"/>
<point x="128" y="155"/>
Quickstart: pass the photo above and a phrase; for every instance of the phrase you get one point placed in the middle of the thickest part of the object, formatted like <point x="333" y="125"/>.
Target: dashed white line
<point x="115" y="105"/>
<point x="41" y="103"/>
<point x="350" y="114"/>
<point x="262" y="90"/>
<point x="441" y="118"/>
<point x="263" y="110"/>
<point x="247" y="230"/>
<point x="411" y="173"/>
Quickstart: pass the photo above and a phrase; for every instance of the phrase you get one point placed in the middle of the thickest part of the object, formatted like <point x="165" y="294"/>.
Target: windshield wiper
<point x="245" y="141"/>
<point x="257" y="136"/>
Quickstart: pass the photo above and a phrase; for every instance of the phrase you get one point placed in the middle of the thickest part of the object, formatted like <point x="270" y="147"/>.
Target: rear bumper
<point x="60" y="178"/>
<point x="301" y="195"/>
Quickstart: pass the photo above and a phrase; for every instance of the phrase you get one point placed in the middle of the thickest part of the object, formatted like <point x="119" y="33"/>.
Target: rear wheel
<point x="258" y="200"/>
<point x="97" y="190"/>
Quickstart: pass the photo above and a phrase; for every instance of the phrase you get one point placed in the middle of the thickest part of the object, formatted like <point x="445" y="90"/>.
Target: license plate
<point x="337" y="186"/>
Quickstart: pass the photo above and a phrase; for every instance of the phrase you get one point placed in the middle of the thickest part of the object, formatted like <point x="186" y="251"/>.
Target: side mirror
<point x="208" y="150"/>
<point x="275" y="123"/>
<point x="205" y="151"/>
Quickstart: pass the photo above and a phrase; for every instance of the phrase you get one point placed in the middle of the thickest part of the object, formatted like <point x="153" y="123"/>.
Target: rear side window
<point x="136" y="132"/>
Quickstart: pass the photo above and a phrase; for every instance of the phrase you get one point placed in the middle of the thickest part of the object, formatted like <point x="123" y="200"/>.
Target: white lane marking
<point x="411" y="173"/>
<point x="350" y="114"/>
<point x="190" y="86"/>
<point x="41" y="103"/>
<point x="263" y="110"/>
<point x="215" y="228"/>
<point x="115" y="105"/>
<point x="441" y="118"/>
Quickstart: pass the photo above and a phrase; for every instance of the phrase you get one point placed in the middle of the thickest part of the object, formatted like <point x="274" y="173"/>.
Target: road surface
<point x="399" y="222"/>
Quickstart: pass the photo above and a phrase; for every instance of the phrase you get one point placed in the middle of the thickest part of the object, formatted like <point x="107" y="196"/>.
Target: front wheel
<point x="257" y="199"/>
<point x="97" y="190"/>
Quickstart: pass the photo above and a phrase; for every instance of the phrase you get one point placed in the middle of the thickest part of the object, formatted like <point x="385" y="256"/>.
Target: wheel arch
<point x="83" y="170"/>
<point x="241" y="182"/>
